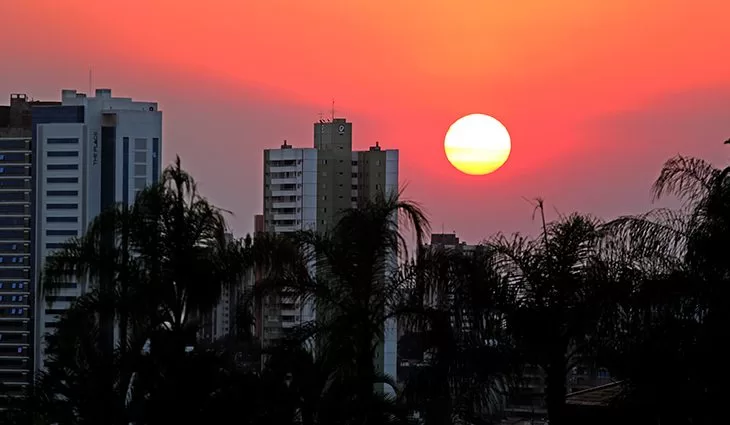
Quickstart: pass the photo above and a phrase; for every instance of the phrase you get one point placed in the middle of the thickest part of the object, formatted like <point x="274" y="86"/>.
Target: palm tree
<point x="688" y="250"/>
<point x="557" y="291"/>
<point x="153" y="268"/>
<point x="453" y="308"/>
<point x="352" y="289"/>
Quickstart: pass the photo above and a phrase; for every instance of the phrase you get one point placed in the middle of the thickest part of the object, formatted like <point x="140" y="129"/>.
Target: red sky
<point x="595" y="93"/>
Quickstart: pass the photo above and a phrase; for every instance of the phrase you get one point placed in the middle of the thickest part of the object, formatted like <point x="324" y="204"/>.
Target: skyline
<point x="645" y="83"/>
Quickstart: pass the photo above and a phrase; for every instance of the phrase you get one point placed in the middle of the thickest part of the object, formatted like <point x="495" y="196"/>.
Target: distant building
<point x="305" y="189"/>
<point x="221" y="322"/>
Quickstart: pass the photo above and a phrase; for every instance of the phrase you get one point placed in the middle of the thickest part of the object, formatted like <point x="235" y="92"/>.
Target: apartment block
<point x="306" y="189"/>
<point x="16" y="256"/>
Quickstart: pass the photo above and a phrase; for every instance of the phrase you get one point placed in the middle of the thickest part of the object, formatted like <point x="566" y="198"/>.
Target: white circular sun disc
<point x="477" y="144"/>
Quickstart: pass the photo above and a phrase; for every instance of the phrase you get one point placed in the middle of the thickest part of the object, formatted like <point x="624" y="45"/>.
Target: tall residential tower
<point x="305" y="189"/>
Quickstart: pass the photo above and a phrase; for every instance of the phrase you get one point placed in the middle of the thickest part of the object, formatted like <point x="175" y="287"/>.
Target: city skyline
<point x="63" y="162"/>
<point x="552" y="73"/>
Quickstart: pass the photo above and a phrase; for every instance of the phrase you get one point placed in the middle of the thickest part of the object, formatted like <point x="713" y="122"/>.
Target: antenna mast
<point x="333" y="109"/>
<point x="91" y="80"/>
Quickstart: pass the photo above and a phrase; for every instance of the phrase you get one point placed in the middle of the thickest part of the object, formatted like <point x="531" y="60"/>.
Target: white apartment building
<point x="89" y="153"/>
<point x="306" y="188"/>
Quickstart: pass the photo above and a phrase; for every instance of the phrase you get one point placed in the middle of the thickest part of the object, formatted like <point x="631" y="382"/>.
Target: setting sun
<point x="477" y="144"/>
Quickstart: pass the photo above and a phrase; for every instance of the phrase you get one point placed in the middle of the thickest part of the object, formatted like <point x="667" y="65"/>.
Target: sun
<point x="477" y="144"/>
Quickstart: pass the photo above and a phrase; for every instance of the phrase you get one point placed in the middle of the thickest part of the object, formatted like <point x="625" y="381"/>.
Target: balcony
<point x="283" y="168"/>
<point x="278" y="205"/>
<point x="286" y="216"/>
<point x="285" y="229"/>
<point x="289" y="192"/>
<point x="285" y="180"/>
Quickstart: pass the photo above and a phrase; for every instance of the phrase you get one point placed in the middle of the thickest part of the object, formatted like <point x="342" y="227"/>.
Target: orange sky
<point x="595" y="93"/>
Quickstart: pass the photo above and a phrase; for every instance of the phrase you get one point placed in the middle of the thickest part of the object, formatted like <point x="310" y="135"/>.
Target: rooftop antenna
<point x="91" y="80"/>
<point x="333" y="109"/>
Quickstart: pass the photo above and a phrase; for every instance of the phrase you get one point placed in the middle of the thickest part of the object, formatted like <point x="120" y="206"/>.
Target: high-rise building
<point x="305" y="189"/>
<point x="16" y="201"/>
<point x="88" y="153"/>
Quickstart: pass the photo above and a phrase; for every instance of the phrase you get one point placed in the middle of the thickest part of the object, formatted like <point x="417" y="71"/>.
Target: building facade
<point x="88" y="153"/>
<point x="306" y="189"/>
<point x="16" y="254"/>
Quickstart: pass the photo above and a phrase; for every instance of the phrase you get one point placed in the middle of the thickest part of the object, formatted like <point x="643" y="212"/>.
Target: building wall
<point x="333" y="142"/>
<point x="41" y="115"/>
<point x="60" y="213"/>
<point x="290" y="205"/>
<point x="115" y="153"/>
<point x="15" y="258"/>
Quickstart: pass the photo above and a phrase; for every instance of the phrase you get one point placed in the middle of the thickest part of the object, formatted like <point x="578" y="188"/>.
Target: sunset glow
<point x="584" y="87"/>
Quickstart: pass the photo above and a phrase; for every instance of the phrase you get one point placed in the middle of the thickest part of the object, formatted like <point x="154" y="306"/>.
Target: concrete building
<point x="88" y="154"/>
<point x="305" y="189"/>
<point x="16" y="286"/>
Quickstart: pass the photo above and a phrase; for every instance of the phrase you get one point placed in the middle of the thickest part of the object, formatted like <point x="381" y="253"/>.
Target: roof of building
<point x="596" y="396"/>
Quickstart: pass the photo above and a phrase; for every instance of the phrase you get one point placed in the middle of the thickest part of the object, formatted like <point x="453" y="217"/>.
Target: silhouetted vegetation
<point x="516" y="326"/>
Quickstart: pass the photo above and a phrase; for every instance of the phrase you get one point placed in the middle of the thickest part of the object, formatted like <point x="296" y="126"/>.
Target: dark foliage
<point x="643" y="297"/>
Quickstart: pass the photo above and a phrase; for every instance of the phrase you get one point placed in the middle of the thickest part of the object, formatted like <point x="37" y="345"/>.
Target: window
<point x="14" y="247"/>
<point x="62" y="219"/>
<point x="140" y="157"/>
<point x="15" y="183"/>
<point x="62" y="141"/>
<point x="14" y="221"/>
<point x="15" y="170"/>
<point x="61" y="232"/>
<point x="15" y="144"/>
<point x="51" y="167"/>
<point x="62" y="193"/>
<point x="140" y="183"/>
<point x="140" y="170"/>
<point x="52" y="180"/>
<point x="14" y="196"/>
<point x="15" y="273"/>
<point x="14" y="209"/>
<point x="62" y="154"/>
<point x="140" y="144"/>
<point x="62" y="206"/>
<point x="14" y="157"/>
<point x="55" y="245"/>
<point x="14" y="234"/>
<point x="18" y="260"/>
